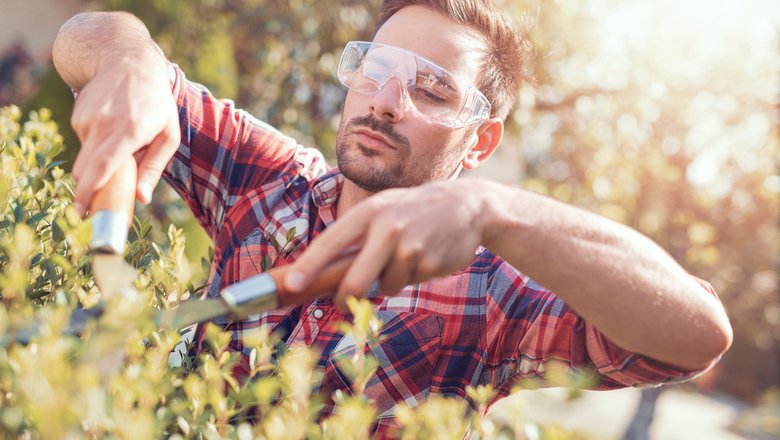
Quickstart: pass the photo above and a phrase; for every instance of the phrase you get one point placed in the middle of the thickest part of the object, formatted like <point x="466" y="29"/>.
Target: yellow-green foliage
<point x="113" y="380"/>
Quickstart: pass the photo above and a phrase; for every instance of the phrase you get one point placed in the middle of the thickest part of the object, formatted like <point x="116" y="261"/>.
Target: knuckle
<point x="135" y="134"/>
<point x="408" y="252"/>
<point x="352" y="287"/>
<point x="79" y="124"/>
<point x="77" y="167"/>
<point x="376" y="205"/>
<point x="152" y="164"/>
<point x="76" y="120"/>
<point x="428" y="266"/>
<point x="100" y="165"/>
<point x="394" y="230"/>
<point x="173" y="135"/>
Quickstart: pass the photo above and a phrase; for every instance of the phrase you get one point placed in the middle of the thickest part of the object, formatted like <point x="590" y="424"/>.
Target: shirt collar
<point x="325" y="193"/>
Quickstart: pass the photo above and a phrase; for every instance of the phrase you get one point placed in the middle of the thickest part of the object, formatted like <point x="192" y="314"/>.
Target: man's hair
<point x="508" y="52"/>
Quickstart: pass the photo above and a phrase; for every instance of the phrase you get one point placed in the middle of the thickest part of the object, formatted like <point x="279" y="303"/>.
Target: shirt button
<point x="318" y="313"/>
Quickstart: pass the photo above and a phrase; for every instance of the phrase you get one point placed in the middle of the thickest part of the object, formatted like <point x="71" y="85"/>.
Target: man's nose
<point x="388" y="103"/>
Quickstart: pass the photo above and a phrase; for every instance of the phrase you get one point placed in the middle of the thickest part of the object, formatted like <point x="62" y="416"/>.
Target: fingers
<point x="101" y="166"/>
<point x="117" y="114"/>
<point x="368" y="265"/>
<point x="326" y="283"/>
<point x="395" y="276"/>
<point x="406" y="238"/>
<point x="329" y="245"/>
<point x="101" y="156"/>
<point x="155" y="158"/>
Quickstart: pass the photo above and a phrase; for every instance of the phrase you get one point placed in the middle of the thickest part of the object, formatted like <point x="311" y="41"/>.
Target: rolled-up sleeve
<point x="224" y="151"/>
<point x="527" y="326"/>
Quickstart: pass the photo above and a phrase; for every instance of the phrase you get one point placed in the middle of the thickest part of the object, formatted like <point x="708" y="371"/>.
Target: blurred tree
<point x="675" y="143"/>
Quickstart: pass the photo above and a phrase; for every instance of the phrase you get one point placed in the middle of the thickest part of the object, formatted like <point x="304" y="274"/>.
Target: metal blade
<point x="256" y="294"/>
<point x="113" y="275"/>
<point x="79" y="318"/>
<point x="192" y="312"/>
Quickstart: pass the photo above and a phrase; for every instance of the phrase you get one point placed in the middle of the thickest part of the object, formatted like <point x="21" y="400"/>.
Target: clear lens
<point x="429" y="89"/>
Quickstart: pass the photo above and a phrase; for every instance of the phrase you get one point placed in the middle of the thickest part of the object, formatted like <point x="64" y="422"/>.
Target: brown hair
<point x="508" y="52"/>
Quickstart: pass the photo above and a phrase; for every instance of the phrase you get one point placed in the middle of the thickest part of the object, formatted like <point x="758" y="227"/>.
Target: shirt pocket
<point x="407" y="352"/>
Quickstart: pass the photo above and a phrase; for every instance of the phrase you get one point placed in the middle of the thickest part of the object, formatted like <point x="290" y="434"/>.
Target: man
<point x="426" y="98"/>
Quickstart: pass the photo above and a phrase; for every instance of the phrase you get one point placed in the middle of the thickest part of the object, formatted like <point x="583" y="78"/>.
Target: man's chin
<point x="368" y="173"/>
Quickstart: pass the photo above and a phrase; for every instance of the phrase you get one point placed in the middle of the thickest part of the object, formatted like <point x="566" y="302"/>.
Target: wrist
<point x="92" y="43"/>
<point x="492" y="217"/>
<point x="144" y="59"/>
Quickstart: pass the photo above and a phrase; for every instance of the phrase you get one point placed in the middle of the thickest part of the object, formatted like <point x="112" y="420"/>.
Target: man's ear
<point x="488" y="136"/>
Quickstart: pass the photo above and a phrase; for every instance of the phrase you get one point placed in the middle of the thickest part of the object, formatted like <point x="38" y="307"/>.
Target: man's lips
<point x="373" y="139"/>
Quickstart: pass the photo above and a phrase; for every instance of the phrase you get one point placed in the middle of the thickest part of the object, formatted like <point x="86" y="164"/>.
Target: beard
<point x="404" y="171"/>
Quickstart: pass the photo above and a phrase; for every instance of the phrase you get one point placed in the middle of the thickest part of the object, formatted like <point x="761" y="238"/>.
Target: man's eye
<point x="429" y="95"/>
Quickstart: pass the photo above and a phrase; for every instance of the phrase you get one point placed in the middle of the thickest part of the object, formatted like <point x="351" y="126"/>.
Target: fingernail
<point x="294" y="281"/>
<point x="146" y="191"/>
<point x="79" y="208"/>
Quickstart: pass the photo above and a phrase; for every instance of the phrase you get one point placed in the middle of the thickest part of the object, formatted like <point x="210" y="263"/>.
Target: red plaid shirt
<point x="487" y="324"/>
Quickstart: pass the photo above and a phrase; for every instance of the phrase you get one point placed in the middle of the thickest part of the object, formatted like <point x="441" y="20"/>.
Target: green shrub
<point x="113" y="380"/>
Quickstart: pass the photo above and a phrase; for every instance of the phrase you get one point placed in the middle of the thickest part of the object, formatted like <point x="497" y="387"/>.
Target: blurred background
<point x="660" y="114"/>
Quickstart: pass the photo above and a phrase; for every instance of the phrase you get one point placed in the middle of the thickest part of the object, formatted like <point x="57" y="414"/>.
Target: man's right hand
<point x="125" y="106"/>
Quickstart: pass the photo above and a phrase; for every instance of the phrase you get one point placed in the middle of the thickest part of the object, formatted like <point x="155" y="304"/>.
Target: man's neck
<point x="351" y="195"/>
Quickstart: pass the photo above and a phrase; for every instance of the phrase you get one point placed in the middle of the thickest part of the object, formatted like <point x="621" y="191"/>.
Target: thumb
<point x="155" y="159"/>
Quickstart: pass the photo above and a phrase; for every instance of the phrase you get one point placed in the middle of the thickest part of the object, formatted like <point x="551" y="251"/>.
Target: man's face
<point x="382" y="143"/>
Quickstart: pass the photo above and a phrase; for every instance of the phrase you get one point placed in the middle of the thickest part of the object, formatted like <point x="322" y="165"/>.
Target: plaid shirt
<point x="487" y="324"/>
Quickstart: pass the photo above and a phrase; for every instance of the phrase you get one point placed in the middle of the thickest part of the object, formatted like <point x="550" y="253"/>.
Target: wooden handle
<point x="266" y="291"/>
<point x="326" y="283"/>
<point x="112" y="210"/>
<point x="118" y="195"/>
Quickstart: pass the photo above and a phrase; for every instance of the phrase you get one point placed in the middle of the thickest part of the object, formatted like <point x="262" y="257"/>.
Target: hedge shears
<point x="112" y="209"/>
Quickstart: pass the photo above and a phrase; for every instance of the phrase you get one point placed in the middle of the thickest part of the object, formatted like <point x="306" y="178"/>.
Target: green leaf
<point x="40" y="159"/>
<point x="290" y="234"/>
<point x="57" y="234"/>
<point x="54" y="164"/>
<point x="6" y="185"/>
<point x="145" y="261"/>
<point x="265" y="262"/>
<point x="36" y="184"/>
<point x="274" y="243"/>
<point x="32" y="221"/>
<point x="36" y="259"/>
<point x="19" y="213"/>
<point x="62" y="262"/>
<point x="50" y="269"/>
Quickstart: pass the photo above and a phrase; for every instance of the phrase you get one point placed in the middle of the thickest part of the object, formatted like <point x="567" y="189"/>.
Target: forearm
<point x="614" y="277"/>
<point x="92" y="42"/>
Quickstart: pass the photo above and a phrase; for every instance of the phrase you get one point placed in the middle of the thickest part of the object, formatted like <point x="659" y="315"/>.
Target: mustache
<point x="384" y="127"/>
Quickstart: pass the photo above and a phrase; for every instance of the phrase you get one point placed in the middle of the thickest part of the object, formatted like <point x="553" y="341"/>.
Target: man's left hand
<point x="404" y="236"/>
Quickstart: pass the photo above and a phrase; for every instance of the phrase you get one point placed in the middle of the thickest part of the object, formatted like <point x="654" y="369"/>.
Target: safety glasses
<point x="427" y="89"/>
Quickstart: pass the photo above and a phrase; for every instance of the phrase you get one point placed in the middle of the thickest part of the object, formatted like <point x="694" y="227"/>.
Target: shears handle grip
<point x="266" y="291"/>
<point x="112" y="208"/>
